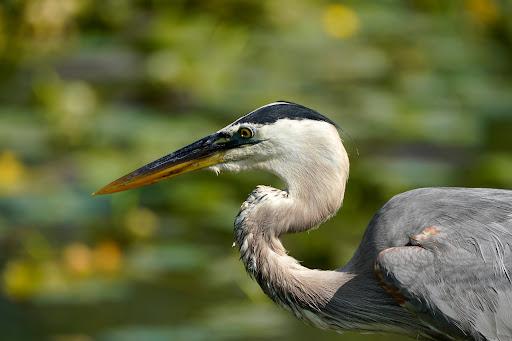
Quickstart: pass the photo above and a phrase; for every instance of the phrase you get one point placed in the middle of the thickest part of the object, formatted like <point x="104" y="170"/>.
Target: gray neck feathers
<point x="347" y="298"/>
<point x="280" y="276"/>
<point x="268" y="213"/>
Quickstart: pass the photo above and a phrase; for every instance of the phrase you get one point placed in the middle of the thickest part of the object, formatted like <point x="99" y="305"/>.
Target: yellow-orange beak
<point x="200" y="154"/>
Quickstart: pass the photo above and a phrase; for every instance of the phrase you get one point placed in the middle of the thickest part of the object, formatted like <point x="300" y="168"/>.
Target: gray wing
<point x="454" y="272"/>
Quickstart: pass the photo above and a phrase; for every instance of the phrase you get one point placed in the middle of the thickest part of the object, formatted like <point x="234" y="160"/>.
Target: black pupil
<point x="245" y="133"/>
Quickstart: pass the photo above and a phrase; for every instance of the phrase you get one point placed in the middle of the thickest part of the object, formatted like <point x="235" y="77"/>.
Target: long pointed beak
<point x="200" y="154"/>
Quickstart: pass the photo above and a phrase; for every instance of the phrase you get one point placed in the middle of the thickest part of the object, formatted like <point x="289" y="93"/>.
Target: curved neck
<point x="348" y="298"/>
<point x="315" y="188"/>
<point x="280" y="276"/>
<point x="268" y="213"/>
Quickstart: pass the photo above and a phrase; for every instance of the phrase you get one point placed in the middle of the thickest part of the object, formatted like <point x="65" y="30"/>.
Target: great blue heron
<point x="434" y="263"/>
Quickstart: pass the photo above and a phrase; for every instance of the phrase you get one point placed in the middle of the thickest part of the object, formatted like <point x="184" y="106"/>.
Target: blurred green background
<point x="92" y="89"/>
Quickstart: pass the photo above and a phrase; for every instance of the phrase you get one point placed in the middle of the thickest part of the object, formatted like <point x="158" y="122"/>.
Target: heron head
<point x="280" y="137"/>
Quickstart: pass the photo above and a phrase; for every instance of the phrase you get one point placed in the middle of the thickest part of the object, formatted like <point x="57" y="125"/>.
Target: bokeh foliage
<point x="90" y="90"/>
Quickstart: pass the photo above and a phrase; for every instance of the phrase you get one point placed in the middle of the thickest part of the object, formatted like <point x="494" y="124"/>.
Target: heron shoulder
<point x="460" y="212"/>
<point x="444" y="254"/>
<point x="455" y="199"/>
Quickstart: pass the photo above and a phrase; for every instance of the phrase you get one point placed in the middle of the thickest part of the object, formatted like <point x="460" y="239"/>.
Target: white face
<point x="282" y="146"/>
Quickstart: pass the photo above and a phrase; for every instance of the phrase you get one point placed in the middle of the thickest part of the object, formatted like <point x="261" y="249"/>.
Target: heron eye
<point x="246" y="133"/>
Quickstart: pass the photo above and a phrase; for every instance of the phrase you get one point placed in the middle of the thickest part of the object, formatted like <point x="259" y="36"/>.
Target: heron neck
<point x="298" y="289"/>
<point x="269" y="213"/>
<point x="348" y="298"/>
<point x="343" y="299"/>
<point x="315" y="188"/>
<point x="266" y="260"/>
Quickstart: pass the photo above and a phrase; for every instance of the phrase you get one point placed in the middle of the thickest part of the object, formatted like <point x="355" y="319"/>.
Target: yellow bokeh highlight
<point x="340" y="21"/>
<point x="23" y="279"/>
<point x="486" y="10"/>
<point x="50" y="17"/>
<point x="107" y="257"/>
<point x="141" y="222"/>
<point x="12" y="172"/>
<point x="78" y="259"/>
<point x="81" y="260"/>
<point x="19" y="279"/>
